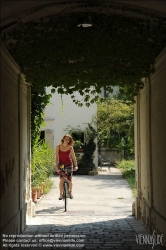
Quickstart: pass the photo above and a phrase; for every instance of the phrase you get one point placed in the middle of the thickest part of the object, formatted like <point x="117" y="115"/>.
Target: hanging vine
<point x="117" y="50"/>
<point x="39" y="100"/>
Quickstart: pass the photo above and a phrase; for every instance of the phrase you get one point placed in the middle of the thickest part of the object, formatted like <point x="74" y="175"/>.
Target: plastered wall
<point x="150" y="145"/>
<point x="63" y="112"/>
<point x="15" y="195"/>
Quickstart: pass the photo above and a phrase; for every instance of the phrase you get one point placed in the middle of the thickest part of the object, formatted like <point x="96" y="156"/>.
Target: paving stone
<point x="95" y="215"/>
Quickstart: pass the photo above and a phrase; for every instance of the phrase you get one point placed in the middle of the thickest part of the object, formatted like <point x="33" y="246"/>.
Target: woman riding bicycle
<point x="64" y="156"/>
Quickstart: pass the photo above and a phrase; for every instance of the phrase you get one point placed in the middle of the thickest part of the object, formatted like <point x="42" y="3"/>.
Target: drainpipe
<point x="138" y="157"/>
<point x="19" y="147"/>
<point x="150" y="155"/>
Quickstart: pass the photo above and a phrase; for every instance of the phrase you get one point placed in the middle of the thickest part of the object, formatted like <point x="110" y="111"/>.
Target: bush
<point x="48" y="185"/>
<point x="127" y="167"/>
<point x="42" y="163"/>
<point x="115" y="125"/>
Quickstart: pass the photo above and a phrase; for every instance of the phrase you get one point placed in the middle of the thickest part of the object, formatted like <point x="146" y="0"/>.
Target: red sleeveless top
<point x="64" y="157"/>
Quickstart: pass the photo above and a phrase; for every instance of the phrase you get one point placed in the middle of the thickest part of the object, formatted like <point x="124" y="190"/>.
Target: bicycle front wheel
<point x="66" y="189"/>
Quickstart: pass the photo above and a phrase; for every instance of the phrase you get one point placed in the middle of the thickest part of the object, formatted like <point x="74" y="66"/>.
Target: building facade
<point x="63" y="113"/>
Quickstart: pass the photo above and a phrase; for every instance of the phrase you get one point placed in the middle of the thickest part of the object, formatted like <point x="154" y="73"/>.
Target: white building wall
<point x="57" y="118"/>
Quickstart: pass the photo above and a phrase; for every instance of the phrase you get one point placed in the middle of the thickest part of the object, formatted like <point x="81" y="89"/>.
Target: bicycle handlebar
<point x="68" y="169"/>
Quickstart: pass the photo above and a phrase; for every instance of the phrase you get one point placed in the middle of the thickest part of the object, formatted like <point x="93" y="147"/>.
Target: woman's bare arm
<point x="57" y="158"/>
<point x="74" y="158"/>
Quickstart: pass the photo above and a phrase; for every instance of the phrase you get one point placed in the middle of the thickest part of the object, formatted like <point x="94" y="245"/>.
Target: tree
<point x="115" y="125"/>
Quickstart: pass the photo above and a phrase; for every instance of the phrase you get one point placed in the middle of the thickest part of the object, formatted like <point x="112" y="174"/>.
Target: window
<point x="78" y="137"/>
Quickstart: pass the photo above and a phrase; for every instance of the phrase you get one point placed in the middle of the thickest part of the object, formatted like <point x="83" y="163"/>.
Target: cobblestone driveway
<point x="99" y="217"/>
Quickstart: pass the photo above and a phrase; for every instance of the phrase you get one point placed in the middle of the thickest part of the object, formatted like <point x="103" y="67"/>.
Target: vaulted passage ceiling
<point x="52" y="48"/>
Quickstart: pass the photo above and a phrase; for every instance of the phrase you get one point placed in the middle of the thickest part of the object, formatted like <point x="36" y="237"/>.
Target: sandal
<point x="60" y="197"/>
<point x="71" y="196"/>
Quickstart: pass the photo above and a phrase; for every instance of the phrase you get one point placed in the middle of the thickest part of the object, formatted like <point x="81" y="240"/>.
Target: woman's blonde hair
<point x="71" y="141"/>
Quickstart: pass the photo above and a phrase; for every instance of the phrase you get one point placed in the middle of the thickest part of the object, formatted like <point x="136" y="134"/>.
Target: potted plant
<point x="41" y="167"/>
<point x="78" y="146"/>
<point x="38" y="192"/>
<point x="42" y="185"/>
<point x="34" y="185"/>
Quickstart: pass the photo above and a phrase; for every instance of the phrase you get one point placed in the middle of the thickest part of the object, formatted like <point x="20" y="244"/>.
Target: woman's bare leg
<point x="61" y="186"/>
<point x="70" y="186"/>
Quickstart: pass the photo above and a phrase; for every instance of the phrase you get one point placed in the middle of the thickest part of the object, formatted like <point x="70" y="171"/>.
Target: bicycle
<point x="66" y="194"/>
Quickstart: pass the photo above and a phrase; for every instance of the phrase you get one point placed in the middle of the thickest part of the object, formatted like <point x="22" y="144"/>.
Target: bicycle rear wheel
<point x="66" y="191"/>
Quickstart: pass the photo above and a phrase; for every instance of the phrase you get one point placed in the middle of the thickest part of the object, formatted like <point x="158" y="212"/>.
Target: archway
<point x="146" y="40"/>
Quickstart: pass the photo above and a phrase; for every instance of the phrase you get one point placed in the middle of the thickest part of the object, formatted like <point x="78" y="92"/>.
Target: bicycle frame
<point x="66" y="195"/>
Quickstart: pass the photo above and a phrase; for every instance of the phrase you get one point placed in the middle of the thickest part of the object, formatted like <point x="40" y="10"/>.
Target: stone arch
<point x="150" y="206"/>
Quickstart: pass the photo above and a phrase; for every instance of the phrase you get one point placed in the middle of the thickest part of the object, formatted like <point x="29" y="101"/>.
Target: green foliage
<point x="118" y="50"/>
<point x="125" y="165"/>
<point x="48" y="185"/>
<point x="115" y="125"/>
<point x="87" y="159"/>
<point x="42" y="162"/>
<point x="78" y="144"/>
<point x="39" y="100"/>
<point x="77" y="131"/>
<point x="128" y="171"/>
<point x="85" y="162"/>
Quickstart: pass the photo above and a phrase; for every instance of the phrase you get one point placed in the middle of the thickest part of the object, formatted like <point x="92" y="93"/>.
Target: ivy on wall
<point x="39" y="100"/>
<point x="86" y="162"/>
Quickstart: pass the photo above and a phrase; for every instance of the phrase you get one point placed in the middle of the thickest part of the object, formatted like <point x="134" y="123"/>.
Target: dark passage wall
<point x="150" y="135"/>
<point x="15" y="146"/>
